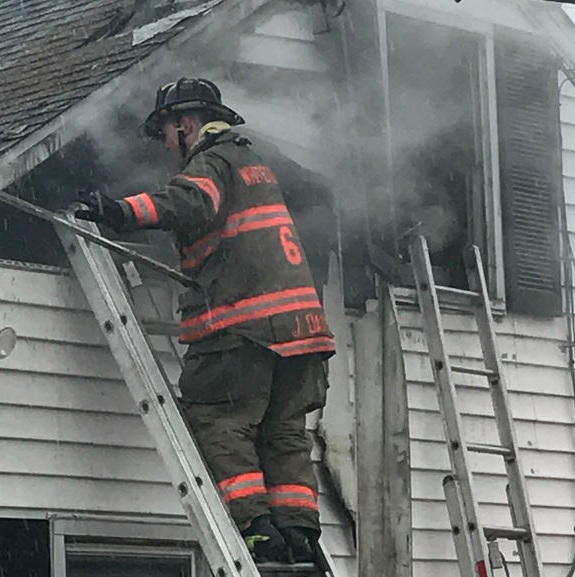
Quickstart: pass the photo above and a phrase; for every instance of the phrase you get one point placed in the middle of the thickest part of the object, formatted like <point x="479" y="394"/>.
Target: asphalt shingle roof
<point x="53" y="53"/>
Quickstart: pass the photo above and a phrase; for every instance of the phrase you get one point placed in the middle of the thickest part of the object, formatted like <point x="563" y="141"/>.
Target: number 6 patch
<point x="291" y="249"/>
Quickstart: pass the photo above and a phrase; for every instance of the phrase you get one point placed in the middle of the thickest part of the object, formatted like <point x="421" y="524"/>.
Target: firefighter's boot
<point x="265" y="542"/>
<point x="302" y="543"/>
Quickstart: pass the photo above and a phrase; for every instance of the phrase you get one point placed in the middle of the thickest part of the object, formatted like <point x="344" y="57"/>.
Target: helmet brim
<point x="154" y="122"/>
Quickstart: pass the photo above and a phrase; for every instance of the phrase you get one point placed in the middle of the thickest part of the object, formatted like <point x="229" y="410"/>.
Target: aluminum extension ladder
<point x="473" y="540"/>
<point x="105" y="291"/>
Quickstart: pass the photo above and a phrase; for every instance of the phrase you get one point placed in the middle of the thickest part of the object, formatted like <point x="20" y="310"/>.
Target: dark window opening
<point x="436" y="142"/>
<point x="52" y="185"/>
<point x="24" y="548"/>
<point x="113" y="557"/>
<point x="119" y="566"/>
<point x="116" y="161"/>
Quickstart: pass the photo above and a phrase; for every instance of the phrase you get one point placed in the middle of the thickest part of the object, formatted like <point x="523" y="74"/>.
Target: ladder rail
<point x="461" y="502"/>
<point x="452" y="422"/>
<point x="455" y="506"/>
<point x="519" y="500"/>
<point x="221" y="542"/>
<point x="88" y="253"/>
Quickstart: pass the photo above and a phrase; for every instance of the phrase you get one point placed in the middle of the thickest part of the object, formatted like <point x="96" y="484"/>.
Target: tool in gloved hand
<point x="101" y="209"/>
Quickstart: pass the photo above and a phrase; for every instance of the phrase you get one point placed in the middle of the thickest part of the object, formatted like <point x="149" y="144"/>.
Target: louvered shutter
<point x="530" y="162"/>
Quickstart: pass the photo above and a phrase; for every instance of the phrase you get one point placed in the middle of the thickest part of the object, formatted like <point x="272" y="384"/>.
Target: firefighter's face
<point x="188" y="127"/>
<point x="171" y="141"/>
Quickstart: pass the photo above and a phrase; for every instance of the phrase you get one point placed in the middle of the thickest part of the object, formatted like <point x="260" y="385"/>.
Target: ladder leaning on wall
<point x="475" y="544"/>
<point x="218" y="536"/>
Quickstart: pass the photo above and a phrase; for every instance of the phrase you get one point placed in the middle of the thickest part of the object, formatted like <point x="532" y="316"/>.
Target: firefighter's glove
<point x="101" y="209"/>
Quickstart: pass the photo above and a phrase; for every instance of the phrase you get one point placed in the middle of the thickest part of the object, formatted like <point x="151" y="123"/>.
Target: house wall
<point x="537" y="370"/>
<point x="541" y="386"/>
<point x="541" y="399"/>
<point x="71" y="441"/>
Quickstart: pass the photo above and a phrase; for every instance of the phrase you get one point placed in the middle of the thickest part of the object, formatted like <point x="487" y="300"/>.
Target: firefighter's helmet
<point x="188" y="94"/>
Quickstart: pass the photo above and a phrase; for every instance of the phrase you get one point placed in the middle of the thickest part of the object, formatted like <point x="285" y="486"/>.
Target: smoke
<point x="338" y="129"/>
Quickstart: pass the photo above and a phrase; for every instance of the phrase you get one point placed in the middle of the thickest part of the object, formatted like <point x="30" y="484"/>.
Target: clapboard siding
<point x="541" y="397"/>
<point x="71" y="439"/>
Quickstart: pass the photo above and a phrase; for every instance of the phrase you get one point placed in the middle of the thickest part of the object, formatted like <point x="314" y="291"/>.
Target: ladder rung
<point x="512" y="533"/>
<point x="457" y="292"/>
<point x="490" y="449"/>
<point x="473" y="371"/>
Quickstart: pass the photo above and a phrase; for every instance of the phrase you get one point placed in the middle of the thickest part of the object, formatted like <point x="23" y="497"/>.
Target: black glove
<point x="101" y="209"/>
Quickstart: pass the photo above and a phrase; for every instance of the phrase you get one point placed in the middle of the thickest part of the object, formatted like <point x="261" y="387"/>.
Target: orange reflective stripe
<point x="208" y="186"/>
<point x="293" y="488"/>
<point x="144" y="208"/>
<point x="243" y="485"/>
<point x="293" y="496"/>
<point x="293" y="502"/>
<point x="230" y="481"/>
<point x="241" y="493"/>
<point x="249" y="309"/>
<point x="267" y="216"/>
<point x="304" y="346"/>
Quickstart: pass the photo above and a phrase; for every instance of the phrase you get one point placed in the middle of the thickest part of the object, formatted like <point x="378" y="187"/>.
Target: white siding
<point x="70" y="437"/>
<point x="542" y="405"/>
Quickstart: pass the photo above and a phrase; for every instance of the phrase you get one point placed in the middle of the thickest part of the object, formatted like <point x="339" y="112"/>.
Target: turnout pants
<point x="247" y="408"/>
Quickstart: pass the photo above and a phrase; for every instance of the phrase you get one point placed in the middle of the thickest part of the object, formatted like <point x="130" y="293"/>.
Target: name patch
<point x="258" y="175"/>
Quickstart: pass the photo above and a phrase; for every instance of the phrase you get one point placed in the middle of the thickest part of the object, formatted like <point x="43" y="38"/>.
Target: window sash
<point x="101" y="538"/>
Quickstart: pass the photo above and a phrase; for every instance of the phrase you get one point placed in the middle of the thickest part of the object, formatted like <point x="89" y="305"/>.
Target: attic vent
<point x="529" y="129"/>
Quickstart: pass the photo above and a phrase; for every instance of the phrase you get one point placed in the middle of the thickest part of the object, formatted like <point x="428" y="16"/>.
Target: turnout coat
<point x="235" y="237"/>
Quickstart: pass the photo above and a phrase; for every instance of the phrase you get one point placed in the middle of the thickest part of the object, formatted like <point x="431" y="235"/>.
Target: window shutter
<point x="531" y="181"/>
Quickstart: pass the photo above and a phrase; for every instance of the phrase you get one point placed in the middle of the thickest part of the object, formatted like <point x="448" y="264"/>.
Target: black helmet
<point x="188" y="94"/>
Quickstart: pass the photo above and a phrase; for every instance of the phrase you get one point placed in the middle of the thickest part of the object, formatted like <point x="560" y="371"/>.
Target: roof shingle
<point x="53" y="53"/>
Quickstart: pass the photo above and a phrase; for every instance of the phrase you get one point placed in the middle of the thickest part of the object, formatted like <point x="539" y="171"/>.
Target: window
<point x="91" y="560"/>
<point x="116" y="161"/>
<point x="437" y="141"/>
<point x="96" y="547"/>
<point x="471" y="148"/>
<point x="52" y="185"/>
<point x="24" y="548"/>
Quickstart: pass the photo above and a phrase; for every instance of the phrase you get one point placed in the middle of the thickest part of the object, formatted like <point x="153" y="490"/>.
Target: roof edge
<point x="50" y="138"/>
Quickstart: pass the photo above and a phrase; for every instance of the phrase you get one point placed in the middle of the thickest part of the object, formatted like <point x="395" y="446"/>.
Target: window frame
<point x="123" y="538"/>
<point x="489" y="127"/>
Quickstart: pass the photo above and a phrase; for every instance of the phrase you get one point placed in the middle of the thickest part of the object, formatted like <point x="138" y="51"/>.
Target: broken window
<point x="116" y="161"/>
<point x="436" y="141"/>
<point x="446" y="178"/>
<point x="52" y="185"/>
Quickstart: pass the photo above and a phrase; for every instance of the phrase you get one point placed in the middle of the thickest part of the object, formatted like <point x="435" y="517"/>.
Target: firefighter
<point x="255" y="329"/>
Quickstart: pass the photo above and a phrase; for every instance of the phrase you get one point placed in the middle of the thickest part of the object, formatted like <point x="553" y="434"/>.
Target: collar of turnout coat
<point x="208" y="134"/>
